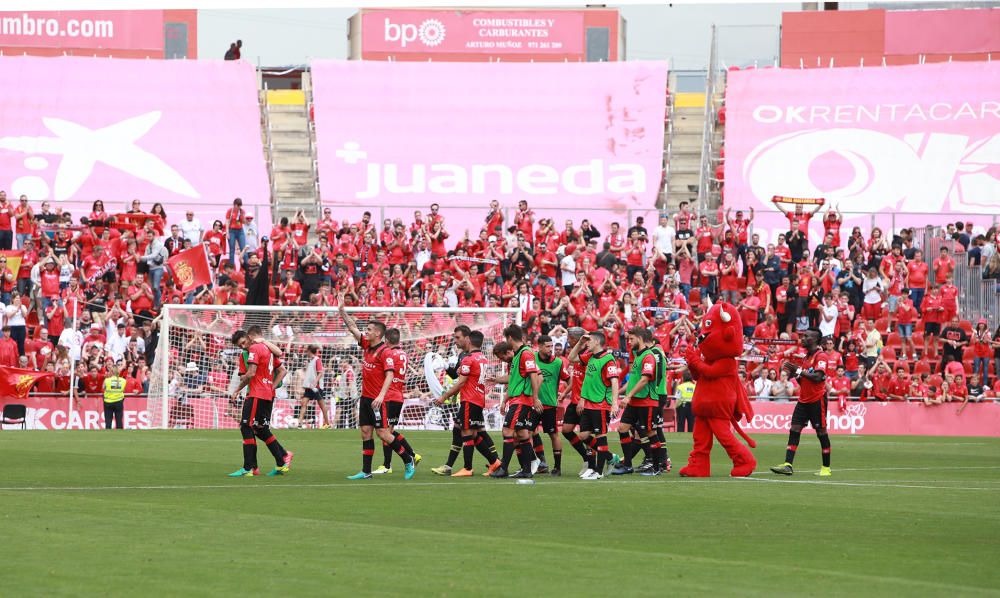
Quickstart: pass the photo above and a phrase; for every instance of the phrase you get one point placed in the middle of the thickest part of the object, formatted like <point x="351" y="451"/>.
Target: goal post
<point x="195" y="369"/>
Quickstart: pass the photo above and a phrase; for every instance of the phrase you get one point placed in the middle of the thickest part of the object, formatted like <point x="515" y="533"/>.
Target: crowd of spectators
<point x="889" y="315"/>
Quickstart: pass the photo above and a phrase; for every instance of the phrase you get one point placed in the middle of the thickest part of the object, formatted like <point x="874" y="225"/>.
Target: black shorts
<point x="640" y="418"/>
<point x="386" y="416"/>
<point x="520" y="417"/>
<point x="683" y="235"/>
<point x="470" y="417"/>
<point x="813" y="414"/>
<point x="595" y="421"/>
<point x="932" y="328"/>
<point x="548" y="419"/>
<point x="571" y="417"/>
<point x="313" y="395"/>
<point x="256" y="412"/>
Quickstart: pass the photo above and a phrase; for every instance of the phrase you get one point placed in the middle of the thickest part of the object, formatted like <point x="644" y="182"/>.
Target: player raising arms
<point x="571" y="418"/>
<point x="811" y="407"/>
<point x="471" y="389"/>
<point x="378" y="368"/>
<point x="640" y="402"/>
<point x="394" y="403"/>
<point x="600" y="399"/>
<point x="521" y="402"/>
<point x="255" y="419"/>
<point x="553" y="371"/>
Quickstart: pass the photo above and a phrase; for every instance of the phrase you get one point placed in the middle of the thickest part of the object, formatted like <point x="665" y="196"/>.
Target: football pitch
<point x="152" y="512"/>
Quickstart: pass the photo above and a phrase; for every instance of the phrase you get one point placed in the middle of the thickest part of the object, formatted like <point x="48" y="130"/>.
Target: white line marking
<point x="867" y="484"/>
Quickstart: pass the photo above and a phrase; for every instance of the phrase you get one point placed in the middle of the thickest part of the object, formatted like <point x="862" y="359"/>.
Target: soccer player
<point x="663" y="384"/>
<point x="378" y="367"/>
<point x="599" y="402"/>
<point x="571" y="417"/>
<point x="521" y="406"/>
<point x="640" y="402"/>
<point x="255" y="419"/>
<point x="471" y="388"/>
<point x="460" y="336"/>
<point x="394" y="404"/>
<point x="311" y="390"/>
<point x="811" y="407"/>
<point x="553" y="371"/>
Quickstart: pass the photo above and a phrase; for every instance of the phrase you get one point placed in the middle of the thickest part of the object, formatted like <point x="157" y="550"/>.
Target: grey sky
<point x="748" y="32"/>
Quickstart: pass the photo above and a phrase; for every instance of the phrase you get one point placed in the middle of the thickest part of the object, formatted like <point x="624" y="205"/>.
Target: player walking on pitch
<point x="394" y="402"/>
<point x="553" y="371"/>
<point x="521" y="406"/>
<point x="378" y="366"/>
<point x="640" y="402"/>
<point x="571" y="417"/>
<point x="255" y="419"/>
<point x="600" y="399"/>
<point x="471" y="388"/>
<point x="812" y="405"/>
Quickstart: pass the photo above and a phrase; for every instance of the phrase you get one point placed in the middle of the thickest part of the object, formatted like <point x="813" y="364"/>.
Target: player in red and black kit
<point x="470" y="386"/>
<point x="571" y="418"/>
<point x="255" y="419"/>
<point x="522" y="403"/>
<point x="812" y="405"/>
<point x="378" y="367"/>
<point x="394" y="403"/>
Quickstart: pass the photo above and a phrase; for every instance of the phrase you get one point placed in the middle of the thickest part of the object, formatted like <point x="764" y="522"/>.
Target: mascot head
<point x="721" y="333"/>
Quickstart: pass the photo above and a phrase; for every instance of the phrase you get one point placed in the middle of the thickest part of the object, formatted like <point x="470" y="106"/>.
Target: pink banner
<point x="922" y="138"/>
<point x="179" y="132"/>
<point x="565" y="135"/>
<point x="479" y="32"/>
<point x="960" y="31"/>
<point x="53" y="413"/>
<point x="897" y="418"/>
<point x="94" y="29"/>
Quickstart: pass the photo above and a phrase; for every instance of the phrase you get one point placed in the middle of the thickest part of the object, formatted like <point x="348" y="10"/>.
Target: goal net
<point x="196" y="365"/>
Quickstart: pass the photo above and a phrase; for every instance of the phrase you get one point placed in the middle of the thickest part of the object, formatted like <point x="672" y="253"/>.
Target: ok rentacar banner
<point x="919" y="139"/>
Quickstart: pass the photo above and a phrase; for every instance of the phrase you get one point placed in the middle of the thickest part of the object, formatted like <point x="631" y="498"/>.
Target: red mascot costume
<point x="720" y="399"/>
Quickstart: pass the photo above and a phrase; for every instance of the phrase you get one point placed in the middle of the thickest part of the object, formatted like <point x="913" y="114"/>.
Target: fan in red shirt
<point x="840" y="387"/>
<point x="943" y="266"/>
<point x="255" y="419"/>
<point x="378" y="367"/>
<point x="812" y="404"/>
<point x="469" y="430"/>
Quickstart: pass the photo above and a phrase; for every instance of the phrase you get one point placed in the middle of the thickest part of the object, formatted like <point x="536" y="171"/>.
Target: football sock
<point x="508" y="451"/>
<point x="399" y="450"/>
<point x="526" y="455"/>
<point x="249" y="447"/>
<point x="557" y="458"/>
<point x="249" y="454"/>
<point x="793" y="445"/>
<point x="456" y="446"/>
<point x="406" y="445"/>
<point x="659" y="452"/>
<point x="277" y="451"/>
<point x="539" y="448"/>
<point x="386" y="455"/>
<point x="577" y="443"/>
<point x="644" y="445"/>
<point x="626" y="440"/>
<point x="367" y="450"/>
<point x="663" y="444"/>
<point x="592" y="452"/>
<point x="486" y="447"/>
<point x="468" y="450"/>
<point x="824" y="443"/>
<point x="603" y="455"/>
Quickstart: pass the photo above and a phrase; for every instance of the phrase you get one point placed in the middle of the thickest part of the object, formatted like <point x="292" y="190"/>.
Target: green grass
<point x="133" y="513"/>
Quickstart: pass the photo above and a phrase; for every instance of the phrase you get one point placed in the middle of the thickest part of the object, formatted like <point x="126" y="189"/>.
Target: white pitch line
<point x="867" y="485"/>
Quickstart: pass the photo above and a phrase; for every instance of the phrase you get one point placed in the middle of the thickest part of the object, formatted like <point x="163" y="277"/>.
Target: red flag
<point x="15" y="382"/>
<point x="190" y="268"/>
<point x="14" y="257"/>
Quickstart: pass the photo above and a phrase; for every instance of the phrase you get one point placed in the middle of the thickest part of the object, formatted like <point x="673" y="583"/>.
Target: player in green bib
<point x="641" y="402"/>
<point x="599" y="399"/>
<point x="553" y="371"/>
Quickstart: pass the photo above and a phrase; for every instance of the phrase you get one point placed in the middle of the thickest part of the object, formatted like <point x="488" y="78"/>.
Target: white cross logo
<point x="352" y="152"/>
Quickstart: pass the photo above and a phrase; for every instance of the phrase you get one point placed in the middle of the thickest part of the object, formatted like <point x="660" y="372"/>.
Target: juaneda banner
<point x="439" y="31"/>
<point x="185" y="133"/>
<point x="564" y="135"/>
<point x="115" y="29"/>
<point x="904" y="139"/>
<point x="895" y="418"/>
